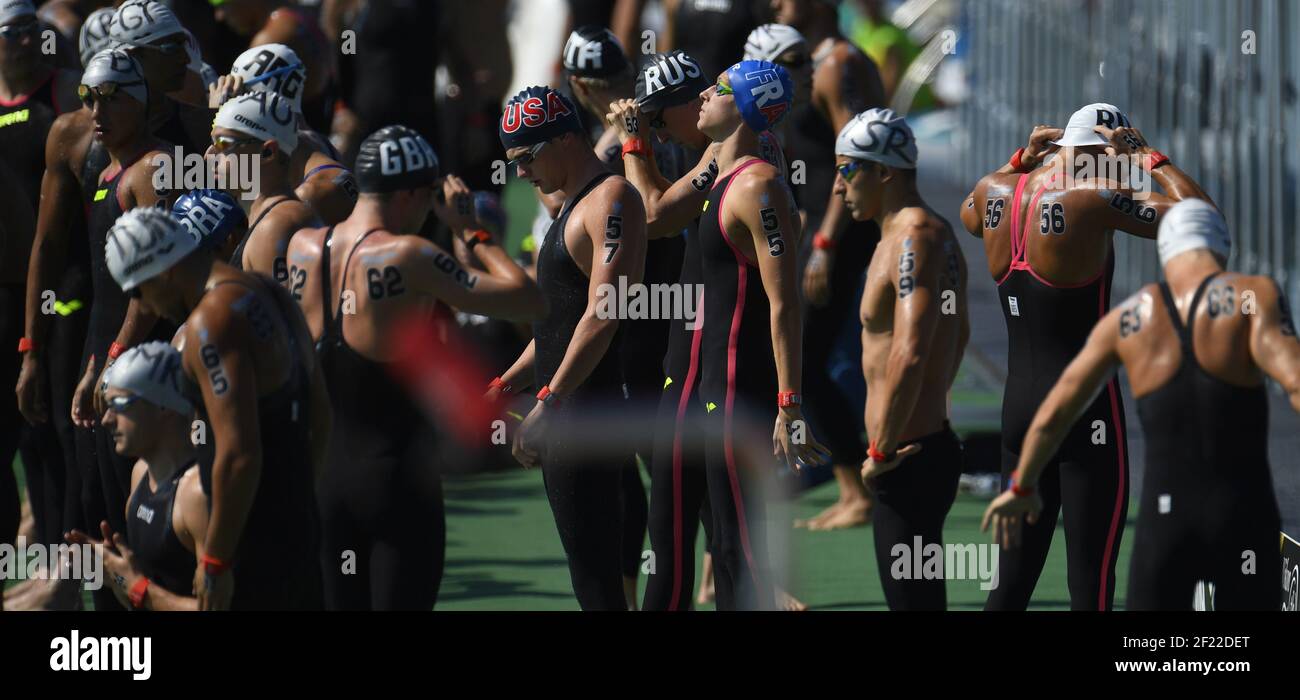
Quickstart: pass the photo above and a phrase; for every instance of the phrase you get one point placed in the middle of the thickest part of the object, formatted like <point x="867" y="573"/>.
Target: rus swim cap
<point x="95" y="34"/>
<point x="878" y="135"/>
<point x="142" y="22"/>
<point x="151" y="371"/>
<point x="210" y="214"/>
<point x="273" y="68"/>
<point x="1079" y="130"/>
<point x="537" y="114"/>
<point x="11" y="10"/>
<point x="668" y="80"/>
<point x="764" y="93"/>
<point x="1189" y="225"/>
<point x="145" y="242"/>
<point x="594" y="52"/>
<point x="395" y="158"/>
<point x="265" y="115"/>
<point x="116" y="66"/>
<point x="769" y="41"/>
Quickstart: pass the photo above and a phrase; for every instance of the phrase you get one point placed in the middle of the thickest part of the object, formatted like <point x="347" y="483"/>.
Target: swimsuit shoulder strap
<point x="325" y="282"/>
<point x="343" y="278"/>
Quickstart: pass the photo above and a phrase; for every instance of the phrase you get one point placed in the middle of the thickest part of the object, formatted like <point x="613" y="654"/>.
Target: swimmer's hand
<point x="872" y="469"/>
<point x="83" y="399"/>
<point x="1123" y="141"/>
<point x="527" y="449"/>
<point x="214" y="592"/>
<point x="626" y="119"/>
<point x="226" y="87"/>
<point x="1004" y="514"/>
<point x="456" y="208"/>
<point x="817" y="277"/>
<point x="793" y="441"/>
<point x="1040" y="146"/>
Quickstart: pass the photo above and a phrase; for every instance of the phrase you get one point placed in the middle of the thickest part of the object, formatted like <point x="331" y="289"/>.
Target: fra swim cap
<point x="11" y="10"/>
<point x="273" y="68"/>
<point x="143" y="243"/>
<point x="537" y="114"/>
<point x="668" y="80"/>
<point x="117" y="66"/>
<point x="594" y="52"/>
<point x="265" y="115"/>
<point x="210" y="214"/>
<point x="141" y="22"/>
<point x="395" y="158"/>
<point x="769" y="41"/>
<point x="878" y="135"/>
<point x="151" y="371"/>
<point x="764" y="93"/>
<point x="1079" y="130"/>
<point x="1189" y="225"/>
<point x="95" y="34"/>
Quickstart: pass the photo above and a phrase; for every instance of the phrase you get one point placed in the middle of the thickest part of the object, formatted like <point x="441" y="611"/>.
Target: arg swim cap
<point x="273" y="68"/>
<point x="142" y="22"/>
<point x="594" y="52"/>
<point x="395" y="158"/>
<point x="151" y="371"/>
<point x="1189" y="225"/>
<point x="769" y="41"/>
<point x="668" y="80"/>
<point x="11" y="10"/>
<point x="764" y="93"/>
<point x="95" y="34"/>
<point x="537" y="114"/>
<point x="210" y="214"/>
<point x="878" y="135"/>
<point x="145" y="242"/>
<point x="265" y="115"/>
<point x="117" y="66"/>
<point x="1079" y="130"/>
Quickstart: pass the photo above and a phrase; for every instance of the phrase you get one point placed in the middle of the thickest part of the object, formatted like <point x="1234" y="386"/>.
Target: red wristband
<point x="785" y="399"/>
<point x="877" y="455"/>
<point x="115" y="350"/>
<point x="499" y="383"/>
<point x="822" y="242"/>
<point x="476" y="237"/>
<point x="1015" y="159"/>
<point x="547" y="398"/>
<point x="25" y="345"/>
<point x="636" y="145"/>
<point x="137" y="592"/>
<point x="213" y="566"/>
<point x="1019" y="490"/>
<point x="1155" y="159"/>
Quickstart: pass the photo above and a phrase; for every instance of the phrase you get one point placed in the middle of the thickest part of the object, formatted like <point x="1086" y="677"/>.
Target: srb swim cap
<point x="1189" y="225"/>
<point x="144" y="243"/>
<point x="117" y="66"/>
<point x="594" y="52"/>
<point x="395" y="158"/>
<point x="273" y="68"/>
<point x="537" y="114"/>
<point x="210" y="214"/>
<point x="769" y="41"/>
<point x="265" y="115"/>
<point x="878" y="135"/>
<point x="151" y="371"/>
<point x="764" y="93"/>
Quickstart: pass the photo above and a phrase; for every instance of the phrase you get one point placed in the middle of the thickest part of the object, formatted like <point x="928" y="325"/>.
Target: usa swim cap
<point x="265" y="115"/>
<point x="594" y="52"/>
<point x="210" y="214"/>
<point x="878" y="135"/>
<point x="769" y="41"/>
<point x="116" y="66"/>
<point x="95" y="34"/>
<point x="1079" y="130"/>
<point x="1189" y="225"/>
<point x="144" y="243"/>
<point x="537" y="114"/>
<point x="395" y="158"/>
<point x="151" y="371"/>
<point x="668" y="80"/>
<point x="764" y="93"/>
<point x="273" y="68"/>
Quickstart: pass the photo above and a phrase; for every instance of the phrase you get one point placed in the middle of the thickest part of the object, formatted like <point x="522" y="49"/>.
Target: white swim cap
<point x="265" y="115"/>
<point x="1189" y="225"/>
<point x="878" y="135"/>
<point x="117" y="66"/>
<point x="273" y="68"/>
<point x="769" y="41"/>
<point x="11" y="10"/>
<point x="142" y="22"/>
<point x="1079" y="130"/>
<point x="151" y="371"/>
<point x="144" y="243"/>
<point x="95" y="35"/>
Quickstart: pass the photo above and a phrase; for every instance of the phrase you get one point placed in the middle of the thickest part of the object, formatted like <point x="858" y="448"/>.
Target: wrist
<point x="213" y="566"/>
<point x="477" y="236"/>
<point x="500" y="384"/>
<point x="26" y="346"/>
<point x="789" y="399"/>
<point x="548" y="398"/>
<point x="1017" y="161"/>
<point x="1019" y="488"/>
<point x="1152" y="159"/>
<point x="115" y="350"/>
<point x="823" y="242"/>
<point x="138" y="591"/>
<point x="877" y="454"/>
<point x="636" y="145"/>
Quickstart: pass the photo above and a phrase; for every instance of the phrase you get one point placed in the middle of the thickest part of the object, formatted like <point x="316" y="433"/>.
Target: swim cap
<point x="151" y="371"/>
<point x="141" y="22"/>
<point x="878" y="135"/>
<point x="145" y="242"/>
<point x="395" y="158"/>
<point x="11" y="10"/>
<point x="265" y="115"/>
<point x="273" y="68"/>
<point x="537" y="114"/>
<point x="94" y="34"/>
<point x="1079" y="130"/>
<point x="209" y="214"/>
<point x="1189" y="225"/>
<point x="117" y="66"/>
<point x="487" y="209"/>
<point x="769" y="41"/>
<point x="594" y="52"/>
<point x="764" y="93"/>
<point x="668" y="80"/>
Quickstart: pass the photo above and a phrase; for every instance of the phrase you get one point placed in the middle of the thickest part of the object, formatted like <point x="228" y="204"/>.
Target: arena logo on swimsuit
<point x="530" y="113"/>
<point x="768" y="90"/>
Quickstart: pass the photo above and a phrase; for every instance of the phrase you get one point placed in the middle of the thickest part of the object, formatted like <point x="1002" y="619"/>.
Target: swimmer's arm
<point x="669" y="206"/>
<point x="764" y="207"/>
<point x="625" y="20"/>
<point x="972" y="209"/>
<point x="915" y="277"/>
<point x="60" y="192"/>
<point x="1079" y="383"/>
<point x="616" y="227"/>
<point x="504" y="291"/>
<point x="139" y="322"/>
<point x="521" y="373"/>
<point x="1273" y="342"/>
<point x="856" y="87"/>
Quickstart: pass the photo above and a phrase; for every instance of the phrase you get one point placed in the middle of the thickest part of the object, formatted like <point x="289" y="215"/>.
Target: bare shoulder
<point x="615" y="196"/>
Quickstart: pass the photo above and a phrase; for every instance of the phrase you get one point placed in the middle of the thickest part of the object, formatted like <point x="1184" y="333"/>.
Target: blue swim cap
<point x="535" y="115"/>
<point x="487" y="208"/>
<point x="764" y="93"/>
<point x="212" y="214"/>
